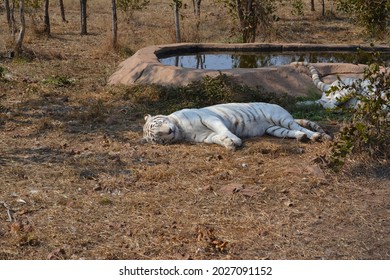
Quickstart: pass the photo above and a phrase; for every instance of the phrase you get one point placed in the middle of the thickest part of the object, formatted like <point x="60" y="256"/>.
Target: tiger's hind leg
<point x="313" y="136"/>
<point x="313" y="126"/>
<point x="282" y="132"/>
<point x="313" y="131"/>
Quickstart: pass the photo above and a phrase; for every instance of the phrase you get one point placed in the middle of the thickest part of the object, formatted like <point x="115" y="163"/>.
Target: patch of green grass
<point x="2" y="72"/>
<point x="59" y="81"/>
<point x="126" y="51"/>
<point x="316" y="112"/>
<point x="311" y="95"/>
<point x="104" y="201"/>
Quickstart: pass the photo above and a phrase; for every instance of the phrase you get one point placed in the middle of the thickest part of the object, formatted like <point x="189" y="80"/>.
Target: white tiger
<point x="226" y="124"/>
<point x="340" y="92"/>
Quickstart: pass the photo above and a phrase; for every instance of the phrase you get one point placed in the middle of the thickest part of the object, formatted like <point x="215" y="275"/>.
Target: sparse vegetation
<point x="373" y="15"/>
<point x="128" y="7"/>
<point x="369" y="128"/>
<point x="209" y="91"/>
<point x="59" y="81"/>
<point x="251" y="15"/>
<point x="75" y="183"/>
<point x="298" y="8"/>
<point x="2" y="73"/>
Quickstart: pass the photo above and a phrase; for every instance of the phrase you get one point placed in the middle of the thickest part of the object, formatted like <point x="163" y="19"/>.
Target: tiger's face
<point x="159" y="130"/>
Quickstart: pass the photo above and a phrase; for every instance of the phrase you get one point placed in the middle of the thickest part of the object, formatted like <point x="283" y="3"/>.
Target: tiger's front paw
<point x="232" y="144"/>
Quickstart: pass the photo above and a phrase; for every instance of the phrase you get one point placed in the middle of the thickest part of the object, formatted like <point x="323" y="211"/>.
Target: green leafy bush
<point x="298" y="8"/>
<point x="155" y="99"/>
<point x="2" y="73"/>
<point x="369" y="128"/>
<point x="59" y="81"/>
<point x="251" y="15"/>
<point x="374" y="15"/>
<point x="129" y="6"/>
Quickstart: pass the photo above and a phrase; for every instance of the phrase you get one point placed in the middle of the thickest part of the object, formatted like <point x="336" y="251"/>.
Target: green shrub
<point x="369" y="128"/>
<point x="155" y="99"/>
<point x="129" y="6"/>
<point x="298" y="8"/>
<point x="59" y="81"/>
<point x="374" y="15"/>
<point x="2" y="73"/>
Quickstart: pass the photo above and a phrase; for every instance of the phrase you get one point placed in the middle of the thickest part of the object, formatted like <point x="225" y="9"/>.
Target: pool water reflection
<point x="223" y="61"/>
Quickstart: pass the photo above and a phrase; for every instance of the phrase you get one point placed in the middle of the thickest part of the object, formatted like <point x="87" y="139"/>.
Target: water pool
<point x="223" y="61"/>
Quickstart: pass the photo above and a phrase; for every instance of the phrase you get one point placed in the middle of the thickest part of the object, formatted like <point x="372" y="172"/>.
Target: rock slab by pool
<point x="144" y="67"/>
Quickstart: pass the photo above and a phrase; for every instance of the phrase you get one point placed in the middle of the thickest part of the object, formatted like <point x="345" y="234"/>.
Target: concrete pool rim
<point x="170" y="50"/>
<point x="144" y="66"/>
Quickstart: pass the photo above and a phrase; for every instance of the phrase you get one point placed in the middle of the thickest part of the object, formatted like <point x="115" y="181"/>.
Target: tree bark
<point x="62" y="10"/>
<point x="46" y="19"/>
<point x="12" y="17"/>
<point x="196" y="4"/>
<point x="246" y="13"/>
<point x="176" y="8"/>
<point x="114" y="25"/>
<point x="253" y="22"/>
<point x="8" y="13"/>
<point x="240" y="13"/>
<point x="83" y="15"/>
<point x="19" y="41"/>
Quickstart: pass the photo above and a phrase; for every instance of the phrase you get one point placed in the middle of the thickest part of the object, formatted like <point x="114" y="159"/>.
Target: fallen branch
<point x="10" y="219"/>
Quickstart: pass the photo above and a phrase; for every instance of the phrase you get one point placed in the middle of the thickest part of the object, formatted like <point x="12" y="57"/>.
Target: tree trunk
<point x="62" y="10"/>
<point x="246" y="13"/>
<point x="8" y="13"/>
<point x="253" y="22"/>
<point x="240" y="13"/>
<point x="114" y="25"/>
<point x="323" y="8"/>
<point x="312" y="6"/>
<point x="196" y="4"/>
<point x="176" y="8"/>
<point x="83" y="15"/>
<point x="46" y="19"/>
<point x="13" y="22"/>
<point x="19" y="41"/>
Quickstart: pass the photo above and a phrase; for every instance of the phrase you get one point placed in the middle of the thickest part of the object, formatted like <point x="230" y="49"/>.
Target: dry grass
<point x="76" y="184"/>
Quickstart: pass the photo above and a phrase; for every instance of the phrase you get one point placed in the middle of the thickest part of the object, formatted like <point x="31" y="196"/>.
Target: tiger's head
<point x="160" y="130"/>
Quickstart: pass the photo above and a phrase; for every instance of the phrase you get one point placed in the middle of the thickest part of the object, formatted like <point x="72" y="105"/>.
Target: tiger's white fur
<point x="226" y="124"/>
<point x="340" y="92"/>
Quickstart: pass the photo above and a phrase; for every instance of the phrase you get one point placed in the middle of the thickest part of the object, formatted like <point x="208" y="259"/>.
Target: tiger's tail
<point x="314" y="75"/>
<point x="313" y="126"/>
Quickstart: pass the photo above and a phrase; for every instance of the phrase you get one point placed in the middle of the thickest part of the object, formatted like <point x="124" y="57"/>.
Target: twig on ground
<point x="10" y="219"/>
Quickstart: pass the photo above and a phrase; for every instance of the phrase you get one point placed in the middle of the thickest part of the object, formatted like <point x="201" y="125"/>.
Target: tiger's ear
<point x="146" y="117"/>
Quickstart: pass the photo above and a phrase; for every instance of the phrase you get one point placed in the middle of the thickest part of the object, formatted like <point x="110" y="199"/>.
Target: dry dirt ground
<point x="76" y="184"/>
